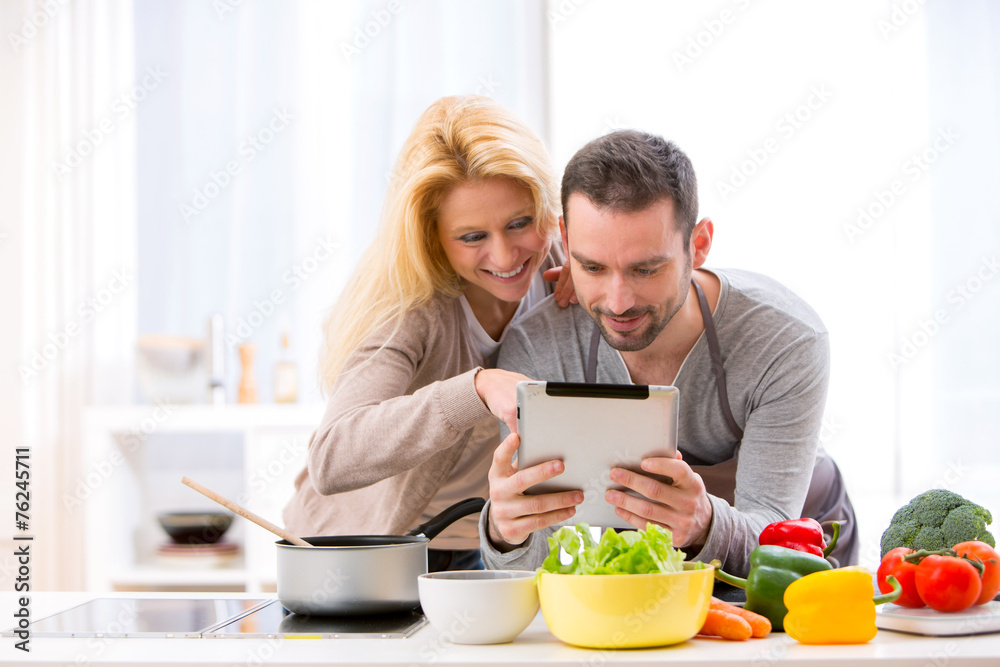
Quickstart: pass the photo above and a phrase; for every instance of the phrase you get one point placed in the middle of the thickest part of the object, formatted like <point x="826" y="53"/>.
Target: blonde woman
<point x="467" y="232"/>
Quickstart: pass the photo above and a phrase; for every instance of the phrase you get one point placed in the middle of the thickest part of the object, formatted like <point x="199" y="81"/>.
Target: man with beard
<point x="749" y="357"/>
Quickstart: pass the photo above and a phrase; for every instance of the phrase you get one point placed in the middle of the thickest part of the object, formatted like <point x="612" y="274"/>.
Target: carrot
<point x="760" y="625"/>
<point x="720" y="623"/>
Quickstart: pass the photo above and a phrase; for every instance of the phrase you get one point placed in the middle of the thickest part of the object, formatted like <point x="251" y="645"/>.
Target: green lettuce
<point x="632" y="552"/>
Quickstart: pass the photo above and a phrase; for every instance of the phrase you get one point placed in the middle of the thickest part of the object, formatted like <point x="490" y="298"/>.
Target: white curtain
<point x="353" y="78"/>
<point x="67" y="250"/>
<point x="955" y="336"/>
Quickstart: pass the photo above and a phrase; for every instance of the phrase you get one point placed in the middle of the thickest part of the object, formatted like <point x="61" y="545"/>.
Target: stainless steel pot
<point x="360" y="574"/>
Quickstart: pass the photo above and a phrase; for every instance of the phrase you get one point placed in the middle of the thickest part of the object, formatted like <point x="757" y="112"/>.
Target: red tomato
<point x="947" y="583"/>
<point x="893" y="563"/>
<point x="991" y="567"/>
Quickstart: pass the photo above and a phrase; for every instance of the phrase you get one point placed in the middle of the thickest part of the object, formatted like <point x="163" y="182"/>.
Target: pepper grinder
<point x="216" y="360"/>
<point x="248" y="385"/>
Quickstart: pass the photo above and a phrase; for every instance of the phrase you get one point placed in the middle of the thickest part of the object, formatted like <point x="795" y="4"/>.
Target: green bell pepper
<point x="772" y="569"/>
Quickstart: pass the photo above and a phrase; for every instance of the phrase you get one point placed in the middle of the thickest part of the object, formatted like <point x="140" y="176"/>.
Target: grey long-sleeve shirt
<point x="776" y="355"/>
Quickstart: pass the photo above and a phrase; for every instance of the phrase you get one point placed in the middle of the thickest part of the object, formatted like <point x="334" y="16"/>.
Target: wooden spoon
<point x="244" y="512"/>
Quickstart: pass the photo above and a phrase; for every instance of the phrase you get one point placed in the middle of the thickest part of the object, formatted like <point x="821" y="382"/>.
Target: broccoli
<point x="937" y="519"/>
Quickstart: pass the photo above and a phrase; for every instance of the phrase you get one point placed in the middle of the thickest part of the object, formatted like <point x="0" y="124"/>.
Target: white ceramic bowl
<point x="171" y="368"/>
<point x="479" y="606"/>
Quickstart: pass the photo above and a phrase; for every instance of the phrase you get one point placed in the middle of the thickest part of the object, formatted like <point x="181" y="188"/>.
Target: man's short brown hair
<point x="628" y="171"/>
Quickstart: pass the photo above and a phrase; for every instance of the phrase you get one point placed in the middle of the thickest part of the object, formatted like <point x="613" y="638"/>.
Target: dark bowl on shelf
<point x="195" y="527"/>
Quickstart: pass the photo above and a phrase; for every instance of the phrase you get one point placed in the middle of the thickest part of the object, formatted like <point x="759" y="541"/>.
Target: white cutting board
<point x="982" y="619"/>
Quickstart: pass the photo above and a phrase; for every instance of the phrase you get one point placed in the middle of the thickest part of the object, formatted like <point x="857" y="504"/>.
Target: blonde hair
<point x="456" y="140"/>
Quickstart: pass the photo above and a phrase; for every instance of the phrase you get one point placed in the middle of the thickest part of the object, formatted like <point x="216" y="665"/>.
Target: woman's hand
<point x="513" y="515"/>
<point x="497" y="389"/>
<point x="564" y="293"/>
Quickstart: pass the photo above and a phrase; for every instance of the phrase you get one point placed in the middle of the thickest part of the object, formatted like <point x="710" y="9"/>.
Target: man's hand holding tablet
<point x="602" y="454"/>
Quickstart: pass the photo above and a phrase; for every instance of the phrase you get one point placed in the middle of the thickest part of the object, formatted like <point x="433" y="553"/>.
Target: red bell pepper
<point x="800" y="534"/>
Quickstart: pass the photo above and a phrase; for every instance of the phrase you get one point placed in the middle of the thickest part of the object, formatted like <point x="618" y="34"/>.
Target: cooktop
<point x="143" y="617"/>
<point x="273" y="620"/>
<point x="214" y="618"/>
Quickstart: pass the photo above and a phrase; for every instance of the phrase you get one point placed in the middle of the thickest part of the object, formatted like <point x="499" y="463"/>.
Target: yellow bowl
<point x="626" y="610"/>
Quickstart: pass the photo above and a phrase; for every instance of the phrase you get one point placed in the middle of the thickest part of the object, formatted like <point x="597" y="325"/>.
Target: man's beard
<point x="637" y="339"/>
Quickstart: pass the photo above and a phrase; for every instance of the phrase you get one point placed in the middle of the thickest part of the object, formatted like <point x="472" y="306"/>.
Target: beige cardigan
<point x="394" y="429"/>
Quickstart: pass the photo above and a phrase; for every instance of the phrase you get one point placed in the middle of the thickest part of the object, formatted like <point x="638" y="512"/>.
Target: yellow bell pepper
<point x="834" y="606"/>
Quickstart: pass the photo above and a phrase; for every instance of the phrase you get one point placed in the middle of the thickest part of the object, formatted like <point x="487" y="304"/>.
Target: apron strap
<point x="595" y="340"/>
<point x="720" y="372"/>
<point x="827" y="498"/>
<point x="713" y="347"/>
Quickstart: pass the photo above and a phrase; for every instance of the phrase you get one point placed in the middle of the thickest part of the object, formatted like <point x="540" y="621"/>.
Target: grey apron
<point x="827" y="499"/>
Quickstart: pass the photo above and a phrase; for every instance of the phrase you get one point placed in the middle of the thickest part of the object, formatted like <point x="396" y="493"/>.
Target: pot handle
<point x="438" y="523"/>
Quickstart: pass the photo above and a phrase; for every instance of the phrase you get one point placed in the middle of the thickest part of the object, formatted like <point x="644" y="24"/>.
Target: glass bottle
<point x="286" y="377"/>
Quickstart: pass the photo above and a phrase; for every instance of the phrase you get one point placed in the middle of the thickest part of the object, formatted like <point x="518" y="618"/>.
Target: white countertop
<point x="536" y="645"/>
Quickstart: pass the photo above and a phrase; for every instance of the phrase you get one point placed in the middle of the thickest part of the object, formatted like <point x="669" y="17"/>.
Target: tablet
<point x="593" y="428"/>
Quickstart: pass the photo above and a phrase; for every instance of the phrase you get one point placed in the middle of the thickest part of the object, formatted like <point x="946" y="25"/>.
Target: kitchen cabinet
<point x="535" y="645"/>
<point x="130" y="469"/>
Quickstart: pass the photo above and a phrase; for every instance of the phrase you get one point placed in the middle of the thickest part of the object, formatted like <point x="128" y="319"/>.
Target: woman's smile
<point x="488" y="232"/>
<point x="509" y="276"/>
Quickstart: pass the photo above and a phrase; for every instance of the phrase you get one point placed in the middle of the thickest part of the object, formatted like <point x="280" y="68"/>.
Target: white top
<point x="488" y="346"/>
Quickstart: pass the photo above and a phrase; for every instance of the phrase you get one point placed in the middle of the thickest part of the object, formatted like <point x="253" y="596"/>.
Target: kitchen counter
<point x="536" y="645"/>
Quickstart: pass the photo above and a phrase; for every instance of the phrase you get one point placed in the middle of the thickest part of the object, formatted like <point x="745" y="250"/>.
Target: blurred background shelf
<point x="159" y="578"/>
<point x="132" y="461"/>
